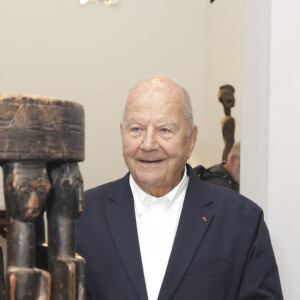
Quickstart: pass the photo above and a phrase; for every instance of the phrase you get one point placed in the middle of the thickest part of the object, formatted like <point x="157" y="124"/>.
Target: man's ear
<point x="193" y="139"/>
<point x="121" y="127"/>
<point x="233" y="158"/>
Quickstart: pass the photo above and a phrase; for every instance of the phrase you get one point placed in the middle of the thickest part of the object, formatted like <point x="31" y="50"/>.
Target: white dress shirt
<point x="157" y="221"/>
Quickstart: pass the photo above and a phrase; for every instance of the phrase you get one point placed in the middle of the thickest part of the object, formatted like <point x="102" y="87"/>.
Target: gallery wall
<point x="94" y="54"/>
<point x="270" y="126"/>
<point x="284" y="143"/>
<point x="224" y="66"/>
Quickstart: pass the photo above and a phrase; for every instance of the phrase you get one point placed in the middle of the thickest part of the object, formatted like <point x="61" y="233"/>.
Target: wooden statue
<point x="26" y="188"/>
<point x="226" y="97"/>
<point x="1" y="275"/>
<point x="41" y="138"/>
<point x="65" y="206"/>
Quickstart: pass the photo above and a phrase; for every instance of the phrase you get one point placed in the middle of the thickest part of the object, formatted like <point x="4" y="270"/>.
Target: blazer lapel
<point x="195" y="218"/>
<point x="121" y="221"/>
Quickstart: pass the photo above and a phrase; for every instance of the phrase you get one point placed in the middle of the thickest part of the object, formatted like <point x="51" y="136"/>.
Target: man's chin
<point x="148" y="180"/>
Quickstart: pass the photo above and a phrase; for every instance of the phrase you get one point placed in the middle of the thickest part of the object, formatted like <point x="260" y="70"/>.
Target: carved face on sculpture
<point x="26" y="189"/>
<point x="68" y="189"/>
<point x="226" y="96"/>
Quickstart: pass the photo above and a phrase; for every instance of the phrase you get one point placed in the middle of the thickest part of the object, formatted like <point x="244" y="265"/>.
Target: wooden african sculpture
<point x="1" y="274"/>
<point x="26" y="189"/>
<point x="41" y="141"/>
<point x="226" y="97"/>
<point x="65" y="206"/>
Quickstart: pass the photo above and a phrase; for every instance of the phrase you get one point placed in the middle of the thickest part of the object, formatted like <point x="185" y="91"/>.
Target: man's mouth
<point x="151" y="161"/>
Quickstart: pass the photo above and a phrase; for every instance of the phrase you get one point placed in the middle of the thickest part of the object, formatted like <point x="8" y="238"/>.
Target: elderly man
<point x="160" y="232"/>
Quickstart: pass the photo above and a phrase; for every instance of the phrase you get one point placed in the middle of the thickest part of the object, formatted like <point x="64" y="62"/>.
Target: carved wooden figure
<point x="1" y="275"/>
<point x="26" y="188"/>
<point x="65" y="206"/>
<point x="40" y="136"/>
<point x="226" y="97"/>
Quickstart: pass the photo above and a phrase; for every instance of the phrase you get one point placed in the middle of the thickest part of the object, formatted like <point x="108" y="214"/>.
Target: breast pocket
<point x="209" y="266"/>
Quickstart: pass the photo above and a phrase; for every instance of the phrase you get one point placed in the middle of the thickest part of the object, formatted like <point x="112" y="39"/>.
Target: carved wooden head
<point x="26" y="188"/>
<point x="68" y="190"/>
<point x="226" y="96"/>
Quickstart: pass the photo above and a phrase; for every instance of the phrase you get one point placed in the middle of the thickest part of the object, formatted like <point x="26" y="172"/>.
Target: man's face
<point x="227" y="96"/>
<point x="26" y="191"/>
<point x="156" y="144"/>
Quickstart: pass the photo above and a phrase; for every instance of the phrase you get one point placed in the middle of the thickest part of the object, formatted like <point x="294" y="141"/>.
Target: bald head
<point x="162" y="87"/>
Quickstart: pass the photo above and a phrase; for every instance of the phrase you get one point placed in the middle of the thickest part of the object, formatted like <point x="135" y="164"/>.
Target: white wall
<point x="284" y="143"/>
<point x="270" y="126"/>
<point x="224" y="66"/>
<point x="255" y="103"/>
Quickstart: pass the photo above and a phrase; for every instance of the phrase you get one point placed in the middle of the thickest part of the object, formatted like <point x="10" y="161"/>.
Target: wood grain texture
<point x="43" y="128"/>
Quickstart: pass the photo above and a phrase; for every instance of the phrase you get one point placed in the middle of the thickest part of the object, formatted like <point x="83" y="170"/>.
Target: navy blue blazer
<point x="222" y="249"/>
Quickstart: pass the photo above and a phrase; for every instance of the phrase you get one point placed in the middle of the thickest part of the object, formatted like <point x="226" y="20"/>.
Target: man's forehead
<point x="160" y="96"/>
<point x="157" y="84"/>
<point x="166" y="121"/>
<point x="157" y="106"/>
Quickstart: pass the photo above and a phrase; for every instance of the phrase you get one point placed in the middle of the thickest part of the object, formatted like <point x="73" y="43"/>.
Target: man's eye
<point x="135" y="129"/>
<point x="165" y="130"/>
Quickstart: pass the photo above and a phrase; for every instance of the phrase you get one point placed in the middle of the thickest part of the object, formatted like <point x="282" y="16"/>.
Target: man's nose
<point x="149" y="142"/>
<point x="34" y="200"/>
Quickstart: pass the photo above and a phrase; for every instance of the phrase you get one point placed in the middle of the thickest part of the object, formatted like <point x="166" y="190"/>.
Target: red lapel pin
<point x="204" y="219"/>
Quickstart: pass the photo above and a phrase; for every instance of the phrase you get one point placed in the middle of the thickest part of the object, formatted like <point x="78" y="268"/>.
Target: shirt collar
<point x="143" y="201"/>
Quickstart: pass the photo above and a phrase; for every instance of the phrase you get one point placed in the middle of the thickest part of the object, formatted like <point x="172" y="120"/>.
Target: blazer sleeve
<point x="260" y="278"/>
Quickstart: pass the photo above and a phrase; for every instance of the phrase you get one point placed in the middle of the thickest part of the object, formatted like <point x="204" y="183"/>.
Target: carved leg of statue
<point x="28" y="284"/>
<point x="68" y="278"/>
<point x="65" y="206"/>
<point x="228" y="144"/>
<point x="26" y="189"/>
